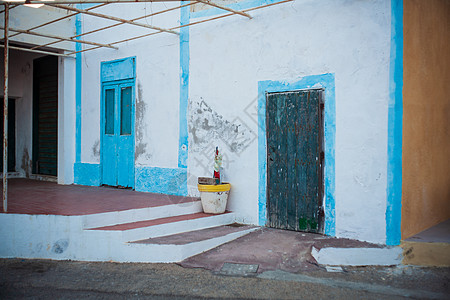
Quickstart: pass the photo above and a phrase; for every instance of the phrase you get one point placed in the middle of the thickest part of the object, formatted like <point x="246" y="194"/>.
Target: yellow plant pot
<point x="214" y="197"/>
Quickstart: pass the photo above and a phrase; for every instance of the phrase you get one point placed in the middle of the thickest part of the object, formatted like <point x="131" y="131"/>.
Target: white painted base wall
<point x="66" y="237"/>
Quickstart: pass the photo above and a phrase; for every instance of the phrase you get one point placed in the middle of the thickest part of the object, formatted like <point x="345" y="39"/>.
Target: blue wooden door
<point x="295" y="160"/>
<point x="117" y="151"/>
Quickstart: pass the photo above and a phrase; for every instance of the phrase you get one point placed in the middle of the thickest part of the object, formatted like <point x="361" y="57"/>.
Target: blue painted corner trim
<point x="327" y="82"/>
<point x="87" y="174"/>
<point x="161" y="180"/>
<point x="184" y="88"/>
<point x="395" y="127"/>
<point x="78" y="83"/>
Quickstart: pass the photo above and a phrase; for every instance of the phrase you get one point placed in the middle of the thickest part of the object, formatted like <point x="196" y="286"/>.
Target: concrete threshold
<point x="430" y="247"/>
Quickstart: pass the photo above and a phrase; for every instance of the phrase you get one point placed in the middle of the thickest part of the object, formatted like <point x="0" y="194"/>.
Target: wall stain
<point x="60" y="246"/>
<point x="141" y="108"/>
<point x="207" y="126"/>
<point x="26" y="163"/>
<point x="96" y="149"/>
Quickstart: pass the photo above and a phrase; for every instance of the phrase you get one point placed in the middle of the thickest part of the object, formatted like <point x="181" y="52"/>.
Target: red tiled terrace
<point x="26" y="196"/>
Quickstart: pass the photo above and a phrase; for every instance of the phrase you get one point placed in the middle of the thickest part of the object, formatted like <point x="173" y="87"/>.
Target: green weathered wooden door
<point x="295" y="160"/>
<point x="45" y="115"/>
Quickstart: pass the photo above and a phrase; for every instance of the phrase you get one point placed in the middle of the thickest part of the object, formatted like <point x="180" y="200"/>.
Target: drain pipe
<point x="5" y="112"/>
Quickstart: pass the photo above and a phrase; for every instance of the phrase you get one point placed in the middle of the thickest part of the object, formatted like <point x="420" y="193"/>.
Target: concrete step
<point x="153" y="228"/>
<point x="189" y="206"/>
<point x="430" y="247"/>
<point x="184" y="245"/>
<point x="197" y="235"/>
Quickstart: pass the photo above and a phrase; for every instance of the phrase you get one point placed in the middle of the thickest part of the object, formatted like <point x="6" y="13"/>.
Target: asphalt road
<point x="44" y="279"/>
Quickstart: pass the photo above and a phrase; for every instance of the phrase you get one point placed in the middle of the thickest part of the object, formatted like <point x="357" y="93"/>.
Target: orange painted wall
<point x="426" y="115"/>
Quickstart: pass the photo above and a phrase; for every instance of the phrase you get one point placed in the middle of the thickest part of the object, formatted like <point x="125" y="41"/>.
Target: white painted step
<point x="164" y="226"/>
<point x="141" y="214"/>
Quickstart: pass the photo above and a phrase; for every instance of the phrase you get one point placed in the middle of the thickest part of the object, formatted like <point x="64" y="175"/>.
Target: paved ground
<point x="272" y="249"/>
<point x="44" y="279"/>
<point x="266" y="264"/>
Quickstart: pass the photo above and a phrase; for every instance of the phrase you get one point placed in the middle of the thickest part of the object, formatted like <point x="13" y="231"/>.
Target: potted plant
<point x="213" y="192"/>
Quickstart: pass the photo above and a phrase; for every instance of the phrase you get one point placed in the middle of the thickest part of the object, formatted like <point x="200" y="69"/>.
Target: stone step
<point x="197" y="235"/>
<point x="153" y="228"/>
<point x="187" y="206"/>
<point x="183" y="245"/>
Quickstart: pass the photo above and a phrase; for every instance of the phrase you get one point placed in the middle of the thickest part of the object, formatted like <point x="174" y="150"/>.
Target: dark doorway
<point x="295" y="160"/>
<point x="11" y="135"/>
<point x="45" y="115"/>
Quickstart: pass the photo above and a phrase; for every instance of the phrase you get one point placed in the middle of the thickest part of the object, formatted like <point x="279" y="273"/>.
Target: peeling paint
<point x="26" y="162"/>
<point x="96" y="148"/>
<point x="141" y="107"/>
<point x="207" y="126"/>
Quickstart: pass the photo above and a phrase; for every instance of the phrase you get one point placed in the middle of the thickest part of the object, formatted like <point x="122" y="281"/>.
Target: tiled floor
<point x="195" y="236"/>
<point x="34" y="197"/>
<point x="128" y="226"/>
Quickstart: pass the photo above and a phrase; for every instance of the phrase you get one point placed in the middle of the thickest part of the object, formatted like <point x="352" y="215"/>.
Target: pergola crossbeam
<point x="59" y="37"/>
<point x="57" y="20"/>
<point x="185" y="25"/>
<point x="19" y="2"/>
<point x="37" y="51"/>
<point x="71" y="15"/>
<point x="208" y="2"/>
<point x="136" y="19"/>
<point x="86" y="12"/>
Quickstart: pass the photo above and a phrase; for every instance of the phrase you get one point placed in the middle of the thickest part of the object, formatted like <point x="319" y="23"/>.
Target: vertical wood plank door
<point x="45" y="115"/>
<point x="294" y="124"/>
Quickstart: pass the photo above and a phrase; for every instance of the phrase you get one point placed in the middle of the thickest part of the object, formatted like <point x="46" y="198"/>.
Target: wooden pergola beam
<point x="208" y="2"/>
<point x="90" y="13"/>
<point x="59" y="37"/>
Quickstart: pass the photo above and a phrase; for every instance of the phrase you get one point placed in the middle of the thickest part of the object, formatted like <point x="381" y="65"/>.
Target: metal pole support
<point x="5" y="112"/>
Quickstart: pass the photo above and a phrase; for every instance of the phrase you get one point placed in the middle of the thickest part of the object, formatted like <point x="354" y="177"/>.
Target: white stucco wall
<point x="157" y="84"/>
<point x="285" y="42"/>
<point x="228" y="57"/>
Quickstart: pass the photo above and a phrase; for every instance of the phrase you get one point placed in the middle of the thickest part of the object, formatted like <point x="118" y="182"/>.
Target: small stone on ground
<point x="333" y="269"/>
<point x="238" y="269"/>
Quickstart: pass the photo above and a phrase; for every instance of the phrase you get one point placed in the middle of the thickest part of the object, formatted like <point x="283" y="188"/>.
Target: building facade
<point x="322" y="110"/>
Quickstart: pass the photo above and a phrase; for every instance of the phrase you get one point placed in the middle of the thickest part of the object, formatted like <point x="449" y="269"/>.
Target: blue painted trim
<point x="327" y="82"/>
<point x="184" y="88"/>
<point x="237" y="6"/>
<point x="78" y="84"/>
<point x="87" y="174"/>
<point x="395" y="127"/>
<point x="161" y="180"/>
<point x="118" y="69"/>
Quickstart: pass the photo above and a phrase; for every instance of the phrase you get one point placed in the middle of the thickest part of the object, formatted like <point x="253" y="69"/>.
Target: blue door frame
<point x="117" y="133"/>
